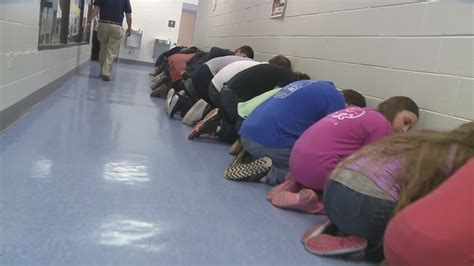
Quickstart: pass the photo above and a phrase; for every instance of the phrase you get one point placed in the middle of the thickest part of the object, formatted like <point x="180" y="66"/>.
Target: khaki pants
<point x="109" y="36"/>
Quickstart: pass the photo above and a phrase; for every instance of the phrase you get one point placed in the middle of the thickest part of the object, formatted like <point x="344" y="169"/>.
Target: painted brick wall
<point x="382" y="48"/>
<point x="24" y="69"/>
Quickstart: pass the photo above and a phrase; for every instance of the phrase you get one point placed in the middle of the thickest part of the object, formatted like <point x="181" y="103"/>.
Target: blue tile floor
<point x="97" y="174"/>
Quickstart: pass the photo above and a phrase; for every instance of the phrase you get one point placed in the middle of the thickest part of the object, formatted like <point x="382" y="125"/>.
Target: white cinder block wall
<point x="151" y="16"/>
<point x="24" y="69"/>
<point x="381" y="48"/>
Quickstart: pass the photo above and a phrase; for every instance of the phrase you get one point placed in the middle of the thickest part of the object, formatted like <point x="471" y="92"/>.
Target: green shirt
<point x="245" y="108"/>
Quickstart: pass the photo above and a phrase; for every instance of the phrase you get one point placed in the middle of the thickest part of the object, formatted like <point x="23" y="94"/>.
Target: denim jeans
<point x="201" y="78"/>
<point x="215" y="96"/>
<point x="229" y="102"/>
<point x="280" y="160"/>
<point x="357" y="214"/>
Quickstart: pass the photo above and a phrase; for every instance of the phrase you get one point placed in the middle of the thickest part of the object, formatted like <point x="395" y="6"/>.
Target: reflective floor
<point x="98" y="175"/>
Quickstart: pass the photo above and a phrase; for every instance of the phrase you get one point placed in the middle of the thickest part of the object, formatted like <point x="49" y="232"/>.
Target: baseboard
<point x="13" y="113"/>
<point x="134" y="62"/>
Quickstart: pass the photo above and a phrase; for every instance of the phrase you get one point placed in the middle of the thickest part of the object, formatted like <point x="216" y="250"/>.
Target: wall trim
<point x="134" y="62"/>
<point x="15" y="112"/>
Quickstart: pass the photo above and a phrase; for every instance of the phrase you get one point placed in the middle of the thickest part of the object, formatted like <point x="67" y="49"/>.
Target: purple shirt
<point x="382" y="171"/>
<point x="322" y="146"/>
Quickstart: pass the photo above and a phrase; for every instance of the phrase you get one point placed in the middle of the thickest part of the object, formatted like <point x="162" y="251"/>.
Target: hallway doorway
<point x="186" y="25"/>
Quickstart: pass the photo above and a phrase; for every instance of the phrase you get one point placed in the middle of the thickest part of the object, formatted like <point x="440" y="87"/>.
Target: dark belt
<point x="110" y="22"/>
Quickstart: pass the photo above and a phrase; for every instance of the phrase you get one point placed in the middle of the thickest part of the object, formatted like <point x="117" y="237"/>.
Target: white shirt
<point x="218" y="63"/>
<point x="230" y="71"/>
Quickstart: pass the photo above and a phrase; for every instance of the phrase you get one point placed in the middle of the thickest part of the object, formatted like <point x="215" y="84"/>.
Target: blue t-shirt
<point x="280" y="120"/>
<point x="112" y="10"/>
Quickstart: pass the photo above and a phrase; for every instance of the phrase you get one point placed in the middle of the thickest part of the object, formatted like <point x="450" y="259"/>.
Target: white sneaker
<point x="169" y="96"/>
<point x="173" y="102"/>
<point x="195" y="113"/>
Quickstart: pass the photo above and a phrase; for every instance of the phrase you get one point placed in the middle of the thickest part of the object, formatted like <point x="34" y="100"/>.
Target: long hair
<point x="390" y="107"/>
<point x="427" y="158"/>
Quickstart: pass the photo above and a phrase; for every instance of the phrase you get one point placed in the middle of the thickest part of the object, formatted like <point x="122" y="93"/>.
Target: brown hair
<point x="281" y="61"/>
<point x="389" y="108"/>
<point x="300" y="76"/>
<point x="352" y="97"/>
<point x="247" y="50"/>
<point x="428" y="158"/>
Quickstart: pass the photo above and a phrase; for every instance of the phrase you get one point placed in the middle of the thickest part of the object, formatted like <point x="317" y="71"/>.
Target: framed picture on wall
<point x="278" y="8"/>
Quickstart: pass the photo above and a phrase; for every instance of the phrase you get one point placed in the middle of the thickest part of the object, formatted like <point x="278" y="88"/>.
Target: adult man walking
<point x="110" y="30"/>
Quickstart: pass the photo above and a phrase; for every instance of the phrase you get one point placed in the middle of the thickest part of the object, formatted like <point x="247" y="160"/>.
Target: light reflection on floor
<point x="41" y="168"/>
<point x="126" y="172"/>
<point x="132" y="233"/>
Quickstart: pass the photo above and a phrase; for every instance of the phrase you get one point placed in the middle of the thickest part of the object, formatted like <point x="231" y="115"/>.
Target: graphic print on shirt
<point x="348" y="113"/>
<point x="292" y="87"/>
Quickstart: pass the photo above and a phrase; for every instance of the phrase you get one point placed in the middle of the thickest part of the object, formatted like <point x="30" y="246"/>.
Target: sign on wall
<point x="278" y="8"/>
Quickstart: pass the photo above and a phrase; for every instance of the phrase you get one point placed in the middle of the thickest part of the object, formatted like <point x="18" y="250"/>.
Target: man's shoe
<point x="106" y="78"/>
<point x="195" y="113"/>
<point x="169" y="96"/>
<point x="160" y="91"/>
<point x="206" y="126"/>
<point x="179" y="104"/>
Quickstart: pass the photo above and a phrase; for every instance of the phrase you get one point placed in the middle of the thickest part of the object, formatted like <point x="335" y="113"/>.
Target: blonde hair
<point x="428" y="158"/>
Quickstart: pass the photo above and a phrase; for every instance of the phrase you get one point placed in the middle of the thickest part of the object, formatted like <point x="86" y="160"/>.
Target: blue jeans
<point x="280" y="160"/>
<point x="201" y="78"/>
<point x="229" y="102"/>
<point x="357" y="214"/>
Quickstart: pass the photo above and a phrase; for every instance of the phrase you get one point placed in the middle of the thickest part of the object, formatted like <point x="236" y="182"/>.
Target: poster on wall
<point x="278" y="8"/>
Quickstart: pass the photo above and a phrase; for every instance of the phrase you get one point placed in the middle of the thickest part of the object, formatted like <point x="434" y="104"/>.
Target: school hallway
<point x="97" y="174"/>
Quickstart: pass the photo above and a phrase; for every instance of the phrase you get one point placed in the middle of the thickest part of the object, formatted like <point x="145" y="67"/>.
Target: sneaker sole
<point x="250" y="172"/>
<point x="173" y="102"/>
<point x="315" y="230"/>
<point x="196" y="131"/>
<point x="169" y="97"/>
<point x="195" y="113"/>
<point x="326" y="245"/>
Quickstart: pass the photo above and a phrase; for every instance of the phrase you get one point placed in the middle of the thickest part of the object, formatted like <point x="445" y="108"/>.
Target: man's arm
<point x="129" y="23"/>
<point x="94" y="13"/>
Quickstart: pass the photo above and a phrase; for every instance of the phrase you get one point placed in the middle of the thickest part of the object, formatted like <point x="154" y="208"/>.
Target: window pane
<point x="51" y="22"/>
<point x="87" y="9"/>
<point x="75" y="23"/>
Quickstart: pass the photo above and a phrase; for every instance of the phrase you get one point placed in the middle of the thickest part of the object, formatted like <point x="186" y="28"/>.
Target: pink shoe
<point x="316" y="230"/>
<point x="207" y="125"/>
<point x="326" y="245"/>
<point x="306" y="201"/>
<point x="289" y="185"/>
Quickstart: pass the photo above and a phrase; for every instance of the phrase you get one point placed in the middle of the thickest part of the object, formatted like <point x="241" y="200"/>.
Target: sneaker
<point x="253" y="171"/>
<point x="327" y="245"/>
<point x="169" y="96"/>
<point x="236" y="148"/>
<point x="155" y="80"/>
<point x="207" y="125"/>
<point x="289" y="184"/>
<point x="195" y="113"/>
<point x="316" y="230"/>
<point x="179" y="104"/>
<point x="174" y="105"/>
<point x="305" y="200"/>
<point x="161" y="91"/>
